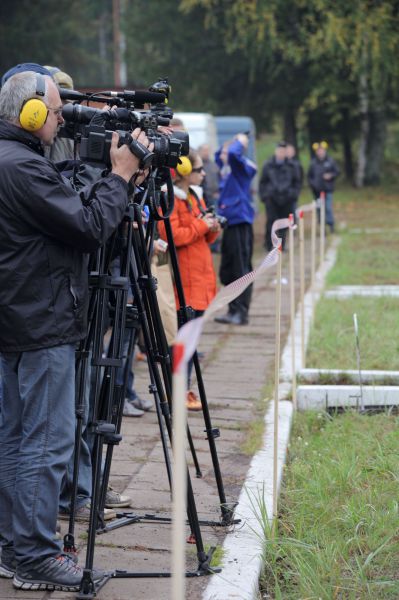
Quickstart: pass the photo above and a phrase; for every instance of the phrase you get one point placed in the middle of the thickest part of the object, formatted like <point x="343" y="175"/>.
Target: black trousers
<point x="273" y="213"/>
<point x="236" y="261"/>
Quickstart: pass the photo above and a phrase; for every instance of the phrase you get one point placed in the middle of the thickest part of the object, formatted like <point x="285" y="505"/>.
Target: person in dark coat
<point x="278" y="189"/>
<point x="46" y="231"/>
<point x="322" y="173"/>
<point x="293" y="159"/>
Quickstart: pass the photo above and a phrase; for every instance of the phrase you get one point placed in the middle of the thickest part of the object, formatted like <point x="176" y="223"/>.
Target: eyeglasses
<point x="197" y="169"/>
<point x="56" y="111"/>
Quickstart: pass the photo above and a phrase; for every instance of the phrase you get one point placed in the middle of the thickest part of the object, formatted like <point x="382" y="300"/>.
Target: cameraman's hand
<point x="123" y="161"/>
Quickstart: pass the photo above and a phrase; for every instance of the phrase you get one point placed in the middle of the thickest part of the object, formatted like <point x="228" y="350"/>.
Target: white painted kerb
<point x="242" y="561"/>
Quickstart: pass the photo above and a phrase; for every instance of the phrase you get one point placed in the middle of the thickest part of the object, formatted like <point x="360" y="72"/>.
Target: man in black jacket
<point x="278" y="188"/>
<point x="46" y="231"/>
<point x="323" y="171"/>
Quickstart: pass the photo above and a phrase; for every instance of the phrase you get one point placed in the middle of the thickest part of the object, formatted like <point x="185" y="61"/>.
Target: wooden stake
<point x="179" y="475"/>
<point x="276" y="388"/>
<point x="322" y="225"/>
<point x="292" y="306"/>
<point x="302" y="284"/>
<point x="313" y="252"/>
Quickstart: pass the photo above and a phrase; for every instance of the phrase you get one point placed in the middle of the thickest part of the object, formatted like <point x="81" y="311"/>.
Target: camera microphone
<point x="139" y="97"/>
<point x="66" y="94"/>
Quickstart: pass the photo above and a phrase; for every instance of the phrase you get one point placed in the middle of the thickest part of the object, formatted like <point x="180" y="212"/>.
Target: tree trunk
<point x="375" y="147"/>
<point x="289" y="125"/>
<point x="364" y="131"/>
<point x="347" y="146"/>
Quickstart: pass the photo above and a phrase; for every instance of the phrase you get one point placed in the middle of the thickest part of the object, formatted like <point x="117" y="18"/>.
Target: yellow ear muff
<point x="324" y="145"/>
<point x="33" y="114"/>
<point x="184" y="166"/>
<point x="315" y="146"/>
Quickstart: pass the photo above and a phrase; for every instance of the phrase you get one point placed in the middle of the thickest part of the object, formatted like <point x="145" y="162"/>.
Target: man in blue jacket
<point x="235" y="204"/>
<point x="46" y="233"/>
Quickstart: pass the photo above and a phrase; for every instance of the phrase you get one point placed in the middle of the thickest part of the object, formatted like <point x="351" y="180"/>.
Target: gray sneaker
<point x="131" y="411"/>
<point x="82" y="514"/>
<point x="53" y="573"/>
<point x="142" y="403"/>
<point x="114" y="499"/>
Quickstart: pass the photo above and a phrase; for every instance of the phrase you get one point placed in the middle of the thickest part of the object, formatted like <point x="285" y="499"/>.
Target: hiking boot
<point x="82" y="514"/>
<point x="114" y="499"/>
<point x="53" y="573"/>
<point x="142" y="403"/>
<point x="192" y="401"/>
<point x="131" y="411"/>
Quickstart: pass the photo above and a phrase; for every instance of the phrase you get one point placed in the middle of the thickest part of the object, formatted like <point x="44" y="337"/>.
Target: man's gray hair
<point x="17" y="90"/>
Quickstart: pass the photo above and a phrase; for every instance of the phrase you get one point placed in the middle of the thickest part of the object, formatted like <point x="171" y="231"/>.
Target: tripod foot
<point x="228" y="513"/>
<point x="204" y="563"/>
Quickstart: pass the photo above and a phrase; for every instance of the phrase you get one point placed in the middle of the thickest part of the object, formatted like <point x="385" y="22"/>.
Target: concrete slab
<point x="323" y="397"/>
<point x="368" y="376"/>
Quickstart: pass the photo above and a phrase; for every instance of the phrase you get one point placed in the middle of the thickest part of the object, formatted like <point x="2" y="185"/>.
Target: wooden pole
<point x="322" y="226"/>
<point x="179" y="475"/>
<point x="292" y="306"/>
<point x="313" y="252"/>
<point x="276" y="388"/>
<point x="302" y="284"/>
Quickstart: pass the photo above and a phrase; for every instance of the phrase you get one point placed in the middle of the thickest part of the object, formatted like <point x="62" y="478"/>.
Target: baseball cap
<point x="61" y="78"/>
<point x="21" y="68"/>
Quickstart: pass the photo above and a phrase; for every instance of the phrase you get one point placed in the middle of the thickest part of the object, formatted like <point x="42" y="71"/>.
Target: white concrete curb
<point x="242" y="549"/>
<point x="242" y="561"/>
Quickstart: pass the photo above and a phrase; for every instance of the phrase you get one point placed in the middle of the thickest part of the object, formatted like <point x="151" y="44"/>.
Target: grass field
<point x="337" y="536"/>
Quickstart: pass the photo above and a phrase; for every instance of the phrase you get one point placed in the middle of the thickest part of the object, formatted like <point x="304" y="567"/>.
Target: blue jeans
<point x="37" y="428"/>
<point x="85" y="466"/>
<point x="329" y="209"/>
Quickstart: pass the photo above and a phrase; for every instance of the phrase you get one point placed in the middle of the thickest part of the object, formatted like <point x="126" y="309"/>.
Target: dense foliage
<point x="319" y="69"/>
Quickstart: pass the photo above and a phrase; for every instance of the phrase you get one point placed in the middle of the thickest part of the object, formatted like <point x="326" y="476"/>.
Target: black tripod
<point x="135" y="272"/>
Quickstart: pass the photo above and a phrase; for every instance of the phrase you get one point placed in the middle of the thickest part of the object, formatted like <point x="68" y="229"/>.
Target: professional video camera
<point x="93" y="127"/>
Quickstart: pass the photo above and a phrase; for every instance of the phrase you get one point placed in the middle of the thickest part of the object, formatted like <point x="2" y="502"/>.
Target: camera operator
<point x="46" y="229"/>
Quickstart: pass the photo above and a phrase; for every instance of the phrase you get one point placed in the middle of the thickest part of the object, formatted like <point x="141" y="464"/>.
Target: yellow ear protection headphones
<point x="184" y="166"/>
<point x="34" y="112"/>
<point x="317" y="145"/>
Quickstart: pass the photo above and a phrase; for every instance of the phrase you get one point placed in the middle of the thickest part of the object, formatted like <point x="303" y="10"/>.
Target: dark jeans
<point x="273" y="213"/>
<point x="236" y="261"/>
<point x="37" y="427"/>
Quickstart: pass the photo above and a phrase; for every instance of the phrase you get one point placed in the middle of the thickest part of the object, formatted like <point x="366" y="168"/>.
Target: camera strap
<point x="198" y="201"/>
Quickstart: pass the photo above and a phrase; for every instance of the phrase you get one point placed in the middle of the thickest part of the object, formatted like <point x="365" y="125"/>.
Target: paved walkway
<point x="238" y="363"/>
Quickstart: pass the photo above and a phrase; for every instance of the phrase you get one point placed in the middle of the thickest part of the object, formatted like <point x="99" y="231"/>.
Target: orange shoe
<point x="192" y="401"/>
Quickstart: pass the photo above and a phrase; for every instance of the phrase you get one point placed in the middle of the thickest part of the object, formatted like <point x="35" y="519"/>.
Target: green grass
<point x="338" y="528"/>
<point x="332" y="337"/>
<point x="370" y="259"/>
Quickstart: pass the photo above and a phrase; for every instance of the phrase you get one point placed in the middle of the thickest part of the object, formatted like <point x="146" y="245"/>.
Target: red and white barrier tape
<point x="189" y="335"/>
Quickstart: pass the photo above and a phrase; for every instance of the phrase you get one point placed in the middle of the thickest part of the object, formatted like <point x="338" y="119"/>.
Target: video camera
<point x="93" y="128"/>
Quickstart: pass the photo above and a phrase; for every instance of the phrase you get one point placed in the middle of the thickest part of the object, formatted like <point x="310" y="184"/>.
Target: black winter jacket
<point x="316" y="171"/>
<point x="46" y="232"/>
<point x="279" y="183"/>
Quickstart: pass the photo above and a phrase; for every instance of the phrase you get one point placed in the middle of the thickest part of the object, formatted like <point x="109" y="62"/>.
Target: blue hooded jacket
<point x="235" y="200"/>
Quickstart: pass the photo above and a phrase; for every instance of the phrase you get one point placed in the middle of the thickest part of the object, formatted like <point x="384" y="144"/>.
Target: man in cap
<point x="46" y="231"/>
<point x="278" y="190"/>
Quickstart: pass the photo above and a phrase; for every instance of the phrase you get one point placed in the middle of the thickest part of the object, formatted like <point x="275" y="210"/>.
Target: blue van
<point x="227" y="127"/>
